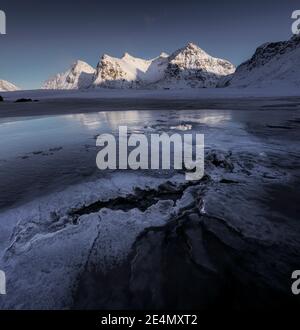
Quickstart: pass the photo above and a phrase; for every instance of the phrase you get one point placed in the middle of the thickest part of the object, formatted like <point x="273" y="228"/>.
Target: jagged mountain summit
<point x="274" y="64"/>
<point x="6" y="86"/>
<point x="129" y="71"/>
<point x="189" y="67"/>
<point x="80" y="75"/>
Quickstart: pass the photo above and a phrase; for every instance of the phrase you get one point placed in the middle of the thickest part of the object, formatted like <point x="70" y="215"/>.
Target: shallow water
<point x="42" y="154"/>
<point x="38" y="155"/>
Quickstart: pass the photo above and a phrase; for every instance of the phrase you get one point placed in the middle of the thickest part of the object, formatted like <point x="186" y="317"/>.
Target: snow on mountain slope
<point x="6" y="86"/>
<point x="275" y="64"/>
<point x="187" y="67"/>
<point x="80" y="75"/>
<point x="129" y="71"/>
<point x="193" y="67"/>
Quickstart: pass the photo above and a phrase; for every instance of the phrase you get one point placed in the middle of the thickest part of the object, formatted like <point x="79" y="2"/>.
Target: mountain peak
<point x="6" y="86"/>
<point x="273" y="63"/>
<point x="81" y="66"/>
<point x="127" y="55"/>
<point x="189" y="66"/>
<point x="80" y="75"/>
<point x="105" y="57"/>
<point x="191" y="45"/>
<point x="163" y="54"/>
<point x="79" y="63"/>
<point x="189" y="50"/>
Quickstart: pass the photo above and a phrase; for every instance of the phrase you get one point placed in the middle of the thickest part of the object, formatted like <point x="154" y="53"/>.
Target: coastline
<point x="75" y="102"/>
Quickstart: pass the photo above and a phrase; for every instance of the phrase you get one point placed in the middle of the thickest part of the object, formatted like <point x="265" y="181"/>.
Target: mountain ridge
<point x="273" y="64"/>
<point x="187" y="67"/>
<point x="80" y="75"/>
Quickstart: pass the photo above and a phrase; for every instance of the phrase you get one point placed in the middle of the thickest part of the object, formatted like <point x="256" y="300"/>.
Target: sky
<point x="46" y="37"/>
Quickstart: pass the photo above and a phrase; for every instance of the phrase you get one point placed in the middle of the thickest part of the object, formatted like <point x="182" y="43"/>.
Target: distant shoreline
<point x="74" y="102"/>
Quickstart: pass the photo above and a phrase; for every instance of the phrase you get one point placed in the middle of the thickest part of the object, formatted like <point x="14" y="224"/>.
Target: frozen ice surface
<point x="65" y="235"/>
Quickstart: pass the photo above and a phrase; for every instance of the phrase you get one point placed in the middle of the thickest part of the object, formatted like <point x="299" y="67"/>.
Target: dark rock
<point x="23" y="100"/>
<point x="220" y="160"/>
<point x="1" y="99"/>
<point x="228" y="181"/>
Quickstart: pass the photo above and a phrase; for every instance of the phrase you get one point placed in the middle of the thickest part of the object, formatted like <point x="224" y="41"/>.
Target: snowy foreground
<point x="72" y="237"/>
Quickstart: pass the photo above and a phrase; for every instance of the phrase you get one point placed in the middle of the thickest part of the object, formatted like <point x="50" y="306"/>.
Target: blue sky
<point x="45" y="37"/>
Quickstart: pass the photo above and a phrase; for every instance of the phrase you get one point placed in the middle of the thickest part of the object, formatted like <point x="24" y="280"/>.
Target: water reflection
<point x="111" y="119"/>
<point x="61" y="150"/>
<point x="34" y="134"/>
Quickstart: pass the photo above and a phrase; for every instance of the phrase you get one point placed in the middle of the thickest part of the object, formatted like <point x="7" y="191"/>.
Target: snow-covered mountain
<point x="187" y="67"/>
<point x="80" y="75"/>
<point x="274" y="64"/>
<point x="129" y="71"/>
<point x="191" y="66"/>
<point x="6" y="86"/>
